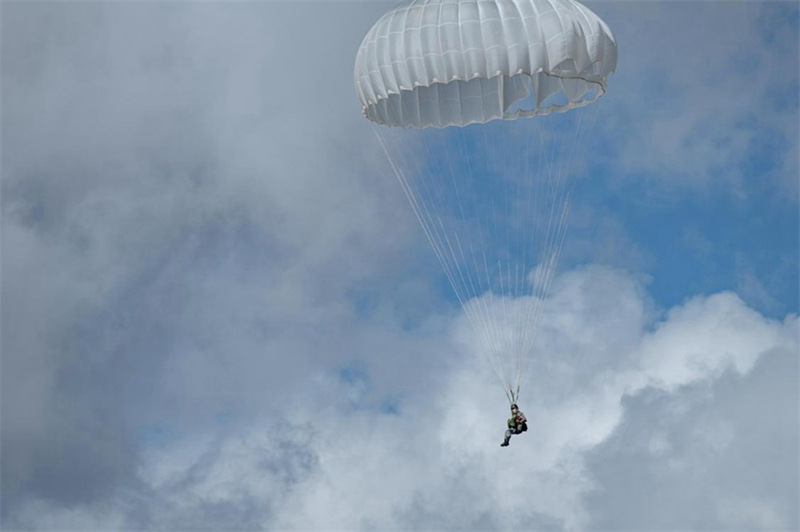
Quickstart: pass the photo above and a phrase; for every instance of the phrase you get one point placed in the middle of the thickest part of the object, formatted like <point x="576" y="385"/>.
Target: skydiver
<point x="517" y="424"/>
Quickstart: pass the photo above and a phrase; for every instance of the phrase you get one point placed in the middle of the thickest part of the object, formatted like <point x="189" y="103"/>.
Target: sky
<point x="219" y="312"/>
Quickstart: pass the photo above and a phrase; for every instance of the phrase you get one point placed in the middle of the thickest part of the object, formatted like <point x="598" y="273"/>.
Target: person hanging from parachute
<point x="517" y="424"/>
<point x="455" y="89"/>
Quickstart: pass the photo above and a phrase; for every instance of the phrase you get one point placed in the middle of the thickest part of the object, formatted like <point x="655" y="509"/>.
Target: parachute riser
<point x="512" y="396"/>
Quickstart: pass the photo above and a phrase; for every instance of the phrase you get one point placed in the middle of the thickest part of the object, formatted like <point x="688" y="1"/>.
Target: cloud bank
<point x="674" y="401"/>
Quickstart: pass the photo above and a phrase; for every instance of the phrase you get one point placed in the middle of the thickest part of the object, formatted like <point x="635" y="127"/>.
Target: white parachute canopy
<point x="492" y="198"/>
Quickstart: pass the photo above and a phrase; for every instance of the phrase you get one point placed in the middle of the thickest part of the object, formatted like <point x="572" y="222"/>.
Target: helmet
<point x="514" y="406"/>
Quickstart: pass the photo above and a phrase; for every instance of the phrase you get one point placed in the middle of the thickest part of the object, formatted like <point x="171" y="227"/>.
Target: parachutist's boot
<point x="505" y="443"/>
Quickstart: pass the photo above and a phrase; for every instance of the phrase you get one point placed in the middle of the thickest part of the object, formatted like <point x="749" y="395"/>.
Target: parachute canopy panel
<point x="439" y="63"/>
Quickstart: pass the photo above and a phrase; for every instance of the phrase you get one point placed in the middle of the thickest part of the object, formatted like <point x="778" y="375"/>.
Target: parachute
<point x="446" y="84"/>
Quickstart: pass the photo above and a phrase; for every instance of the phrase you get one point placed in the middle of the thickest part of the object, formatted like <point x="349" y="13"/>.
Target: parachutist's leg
<point x="508" y="437"/>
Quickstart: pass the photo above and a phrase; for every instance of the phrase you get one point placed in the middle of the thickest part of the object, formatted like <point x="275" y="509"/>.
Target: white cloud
<point x="376" y="469"/>
<point x="438" y="464"/>
<point x="707" y="336"/>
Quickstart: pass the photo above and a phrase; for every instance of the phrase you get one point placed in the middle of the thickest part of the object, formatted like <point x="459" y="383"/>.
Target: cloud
<point x="696" y="147"/>
<point x="161" y="226"/>
<point x="655" y="392"/>
<point x="700" y="116"/>
<point x="722" y="453"/>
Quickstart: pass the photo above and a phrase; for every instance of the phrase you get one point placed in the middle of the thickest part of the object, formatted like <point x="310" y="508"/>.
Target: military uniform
<point x="517" y="424"/>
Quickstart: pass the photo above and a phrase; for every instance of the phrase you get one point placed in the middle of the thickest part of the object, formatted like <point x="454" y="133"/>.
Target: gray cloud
<point x="716" y="87"/>
<point x="169" y="228"/>
<point x="718" y="455"/>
